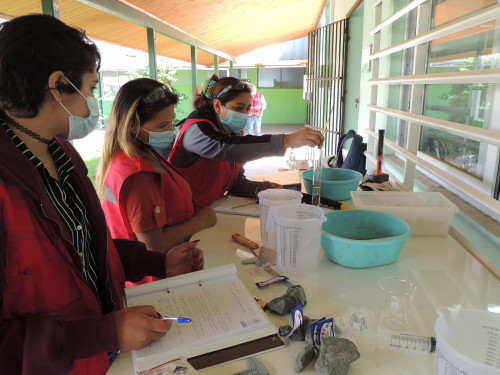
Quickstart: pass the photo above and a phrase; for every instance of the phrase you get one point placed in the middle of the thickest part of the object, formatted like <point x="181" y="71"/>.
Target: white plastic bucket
<point x="297" y="237"/>
<point x="468" y="342"/>
<point x="269" y="198"/>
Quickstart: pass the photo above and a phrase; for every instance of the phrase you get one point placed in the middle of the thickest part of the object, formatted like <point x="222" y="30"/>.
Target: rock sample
<point x="304" y="357"/>
<point x="286" y="303"/>
<point x="335" y="355"/>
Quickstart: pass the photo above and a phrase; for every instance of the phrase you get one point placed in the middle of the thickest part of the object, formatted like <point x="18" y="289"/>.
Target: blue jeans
<point x="254" y="125"/>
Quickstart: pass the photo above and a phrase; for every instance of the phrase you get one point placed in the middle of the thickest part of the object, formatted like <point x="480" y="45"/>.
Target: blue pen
<point x="178" y="320"/>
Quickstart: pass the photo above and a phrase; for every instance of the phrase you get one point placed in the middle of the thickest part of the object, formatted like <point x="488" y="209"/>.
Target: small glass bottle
<point x="292" y="162"/>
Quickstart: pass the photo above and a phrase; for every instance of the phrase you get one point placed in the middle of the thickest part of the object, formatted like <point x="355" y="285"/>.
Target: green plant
<point x="92" y="168"/>
<point x="165" y="74"/>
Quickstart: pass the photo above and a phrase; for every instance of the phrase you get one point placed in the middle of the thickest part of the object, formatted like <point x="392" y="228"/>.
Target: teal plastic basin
<point x="361" y="238"/>
<point x="336" y="183"/>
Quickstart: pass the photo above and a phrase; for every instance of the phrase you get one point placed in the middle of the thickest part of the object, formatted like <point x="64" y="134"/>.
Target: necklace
<point x="31" y="133"/>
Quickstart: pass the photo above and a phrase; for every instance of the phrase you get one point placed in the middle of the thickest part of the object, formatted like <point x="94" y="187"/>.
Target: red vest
<point x="256" y="109"/>
<point x="209" y="179"/>
<point x="42" y="277"/>
<point x="175" y="189"/>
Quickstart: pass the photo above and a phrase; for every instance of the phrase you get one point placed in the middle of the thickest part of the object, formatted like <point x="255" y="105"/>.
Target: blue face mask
<point x="235" y="121"/>
<point x="160" y="140"/>
<point x="79" y="127"/>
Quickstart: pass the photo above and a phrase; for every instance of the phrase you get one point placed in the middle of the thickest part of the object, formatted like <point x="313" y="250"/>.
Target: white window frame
<point x="477" y="192"/>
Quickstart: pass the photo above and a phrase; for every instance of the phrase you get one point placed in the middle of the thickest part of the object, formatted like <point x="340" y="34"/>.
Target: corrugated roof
<point x="234" y="27"/>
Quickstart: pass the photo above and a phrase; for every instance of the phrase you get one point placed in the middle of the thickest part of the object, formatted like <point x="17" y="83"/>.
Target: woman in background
<point x="143" y="197"/>
<point x="210" y="149"/>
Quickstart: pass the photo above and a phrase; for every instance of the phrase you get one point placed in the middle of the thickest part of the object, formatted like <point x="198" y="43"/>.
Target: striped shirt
<point x="67" y="203"/>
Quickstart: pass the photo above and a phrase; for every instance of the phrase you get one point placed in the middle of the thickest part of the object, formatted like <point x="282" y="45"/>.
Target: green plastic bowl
<point x="336" y="183"/>
<point x="361" y="238"/>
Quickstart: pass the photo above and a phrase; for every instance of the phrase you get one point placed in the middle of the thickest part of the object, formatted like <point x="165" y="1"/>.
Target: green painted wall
<point x="284" y="106"/>
<point x="353" y="75"/>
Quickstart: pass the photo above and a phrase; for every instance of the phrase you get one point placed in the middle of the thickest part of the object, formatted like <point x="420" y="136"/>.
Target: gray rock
<point x="286" y="303"/>
<point x="335" y="355"/>
<point x="298" y="292"/>
<point x="304" y="357"/>
<point x="302" y="332"/>
<point x="306" y="328"/>
<point x="284" y="330"/>
<point x="298" y="335"/>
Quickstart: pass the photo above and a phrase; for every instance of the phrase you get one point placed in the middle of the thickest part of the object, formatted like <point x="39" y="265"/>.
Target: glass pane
<point x="446" y="11"/>
<point x="269" y="77"/>
<point x="475" y="48"/>
<point x="110" y="84"/>
<point x="292" y="78"/>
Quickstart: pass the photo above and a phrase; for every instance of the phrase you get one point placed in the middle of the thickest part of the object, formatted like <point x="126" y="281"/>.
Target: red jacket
<point x="257" y="107"/>
<point x="50" y="320"/>
<point x="209" y="179"/>
<point x="174" y="188"/>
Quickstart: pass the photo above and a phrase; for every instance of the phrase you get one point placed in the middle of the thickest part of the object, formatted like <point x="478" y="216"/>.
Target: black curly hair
<point x="34" y="46"/>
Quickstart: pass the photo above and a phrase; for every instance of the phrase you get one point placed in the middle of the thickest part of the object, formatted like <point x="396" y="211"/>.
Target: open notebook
<point x="222" y="311"/>
<point x="239" y="206"/>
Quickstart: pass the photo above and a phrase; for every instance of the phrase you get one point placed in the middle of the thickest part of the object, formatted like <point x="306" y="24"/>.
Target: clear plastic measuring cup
<point x="297" y="237"/>
<point x="269" y="198"/>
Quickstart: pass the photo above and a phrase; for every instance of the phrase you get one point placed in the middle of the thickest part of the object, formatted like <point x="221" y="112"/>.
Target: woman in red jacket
<point x="210" y="150"/>
<point x="61" y="274"/>
<point x="143" y="197"/>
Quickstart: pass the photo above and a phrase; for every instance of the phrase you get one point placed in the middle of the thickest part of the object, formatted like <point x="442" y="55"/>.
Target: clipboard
<point x="236" y="352"/>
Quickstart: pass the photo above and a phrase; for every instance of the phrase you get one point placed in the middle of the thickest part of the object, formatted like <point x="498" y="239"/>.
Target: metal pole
<point x="153" y="69"/>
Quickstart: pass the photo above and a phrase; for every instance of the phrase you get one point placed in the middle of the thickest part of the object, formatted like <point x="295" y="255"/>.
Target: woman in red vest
<point x="61" y="274"/>
<point x="143" y="197"/>
<point x="210" y="149"/>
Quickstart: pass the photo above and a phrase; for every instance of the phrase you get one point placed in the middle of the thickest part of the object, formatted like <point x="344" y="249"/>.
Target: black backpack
<point x="355" y="158"/>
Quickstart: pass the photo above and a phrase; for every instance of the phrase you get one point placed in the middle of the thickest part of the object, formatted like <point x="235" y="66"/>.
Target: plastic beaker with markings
<point x="297" y="237"/>
<point x="269" y="198"/>
<point x="468" y="342"/>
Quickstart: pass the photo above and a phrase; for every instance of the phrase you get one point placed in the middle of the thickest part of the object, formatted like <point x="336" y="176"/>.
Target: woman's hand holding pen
<point x="137" y="326"/>
<point x="303" y="137"/>
<point x="184" y="258"/>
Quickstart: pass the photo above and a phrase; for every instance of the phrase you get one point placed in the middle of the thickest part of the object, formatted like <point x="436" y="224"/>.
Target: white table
<point x="445" y="275"/>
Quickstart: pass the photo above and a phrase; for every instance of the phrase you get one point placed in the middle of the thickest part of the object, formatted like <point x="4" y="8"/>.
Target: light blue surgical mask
<point x="160" y="139"/>
<point x="235" y="121"/>
<point x="79" y="127"/>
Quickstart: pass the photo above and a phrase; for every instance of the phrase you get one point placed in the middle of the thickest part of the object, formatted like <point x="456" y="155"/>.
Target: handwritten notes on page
<point x="216" y="301"/>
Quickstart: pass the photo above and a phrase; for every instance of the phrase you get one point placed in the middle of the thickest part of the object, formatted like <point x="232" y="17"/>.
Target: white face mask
<point x="162" y="139"/>
<point x="79" y="127"/>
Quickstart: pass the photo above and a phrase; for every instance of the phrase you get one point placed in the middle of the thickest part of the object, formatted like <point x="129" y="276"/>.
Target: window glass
<point x="289" y="78"/>
<point x="110" y="84"/>
<point x="292" y="78"/>
<point x="474" y="48"/>
<point x="446" y="11"/>
<point x="269" y="77"/>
